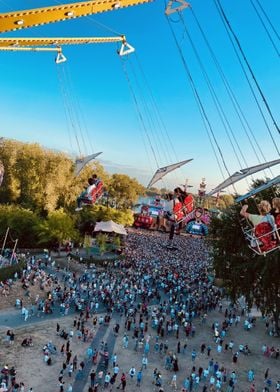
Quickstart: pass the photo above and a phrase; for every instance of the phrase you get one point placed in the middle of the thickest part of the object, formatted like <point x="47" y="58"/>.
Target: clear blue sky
<point x="32" y="104"/>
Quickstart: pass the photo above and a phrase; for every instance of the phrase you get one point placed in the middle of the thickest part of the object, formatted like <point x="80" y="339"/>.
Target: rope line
<point x="217" y="103"/>
<point x="136" y="103"/>
<point x="160" y="120"/>
<point x="268" y="20"/>
<point x="222" y="12"/>
<point x="247" y="79"/>
<point x="265" y="28"/>
<point x="238" y="110"/>
<point x="235" y="104"/>
<point x="205" y="118"/>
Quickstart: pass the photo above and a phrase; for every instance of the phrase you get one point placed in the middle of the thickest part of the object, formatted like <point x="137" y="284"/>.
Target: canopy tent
<point x="110" y="227"/>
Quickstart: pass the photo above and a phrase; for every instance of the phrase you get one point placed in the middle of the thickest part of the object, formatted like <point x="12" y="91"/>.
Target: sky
<point x="140" y="110"/>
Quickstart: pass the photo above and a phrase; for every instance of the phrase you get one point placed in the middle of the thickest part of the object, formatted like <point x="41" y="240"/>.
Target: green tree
<point x="59" y="227"/>
<point x="117" y="241"/>
<point x="89" y="216"/>
<point x="125" y="190"/>
<point x="153" y="191"/>
<point x="227" y="200"/>
<point x="41" y="179"/>
<point x="101" y="240"/>
<point x="35" y="177"/>
<point x="242" y="271"/>
<point x="22" y="224"/>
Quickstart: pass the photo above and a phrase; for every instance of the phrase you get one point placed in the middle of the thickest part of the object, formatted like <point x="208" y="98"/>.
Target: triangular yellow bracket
<point x="126" y="49"/>
<point x="176" y="5"/>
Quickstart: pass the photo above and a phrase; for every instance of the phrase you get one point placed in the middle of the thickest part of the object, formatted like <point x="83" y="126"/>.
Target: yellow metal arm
<point x="25" y="42"/>
<point x="54" y="44"/>
<point x="17" y="20"/>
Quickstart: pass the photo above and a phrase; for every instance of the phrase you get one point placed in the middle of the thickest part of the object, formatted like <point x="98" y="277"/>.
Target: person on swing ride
<point x="186" y="199"/>
<point x="264" y="208"/>
<point x="276" y="211"/>
<point x="178" y="200"/>
<point x="86" y="194"/>
<point x="264" y="223"/>
<point x="96" y="180"/>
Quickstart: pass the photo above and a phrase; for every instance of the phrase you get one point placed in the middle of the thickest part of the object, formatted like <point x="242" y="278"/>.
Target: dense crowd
<point x="158" y="298"/>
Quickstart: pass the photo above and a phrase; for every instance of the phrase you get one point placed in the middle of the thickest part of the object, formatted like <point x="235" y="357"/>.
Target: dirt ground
<point x="16" y="291"/>
<point x="29" y="361"/>
<point x="256" y="361"/>
<point x="34" y="372"/>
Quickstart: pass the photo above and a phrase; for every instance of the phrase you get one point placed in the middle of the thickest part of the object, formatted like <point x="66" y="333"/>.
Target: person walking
<point x="174" y="381"/>
<point x="132" y="372"/>
<point x="266" y="373"/>
<point x="123" y="382"/>
<point x="251" y="375"/>
<point x="139" y="378"/>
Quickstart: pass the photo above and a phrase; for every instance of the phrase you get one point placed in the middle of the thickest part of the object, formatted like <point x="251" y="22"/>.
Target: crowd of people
<point x="156" y="300"/>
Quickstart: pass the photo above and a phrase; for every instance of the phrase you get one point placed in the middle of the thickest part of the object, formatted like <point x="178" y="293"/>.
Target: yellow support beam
<point x="28" y="49"/>
<point x="24" y="42"/>
<point x="17" y="20"/>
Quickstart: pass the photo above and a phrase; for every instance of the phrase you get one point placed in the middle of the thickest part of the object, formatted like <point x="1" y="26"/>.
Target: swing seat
<point x="264" y="234"/>
<point x="178" y="212"/>
<point x="263" y="238"/>
<point x="189" y="204"/>
<point x="96" y="193"/>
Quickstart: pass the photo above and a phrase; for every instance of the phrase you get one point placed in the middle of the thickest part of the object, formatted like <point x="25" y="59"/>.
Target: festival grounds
<point x="35" y="373"/>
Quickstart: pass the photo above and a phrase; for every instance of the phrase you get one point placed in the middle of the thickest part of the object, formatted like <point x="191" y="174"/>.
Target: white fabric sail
<point x="81" y="162"/>
<point x="243" y="173"/>
<point x="260" y="188"/>
<point x="162" y="171"/>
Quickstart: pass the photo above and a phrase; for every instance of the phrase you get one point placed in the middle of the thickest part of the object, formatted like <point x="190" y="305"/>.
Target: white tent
<point x="110" y="227"/>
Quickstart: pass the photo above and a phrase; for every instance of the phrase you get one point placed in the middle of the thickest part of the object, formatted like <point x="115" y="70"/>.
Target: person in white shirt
<point x="86" y="195"/>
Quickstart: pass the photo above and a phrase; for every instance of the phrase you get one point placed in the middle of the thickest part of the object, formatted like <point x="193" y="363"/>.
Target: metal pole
<point x="4" y="243"/>
<point x="16" y="241"/>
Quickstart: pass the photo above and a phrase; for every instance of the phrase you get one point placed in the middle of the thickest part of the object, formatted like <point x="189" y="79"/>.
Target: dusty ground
<point x="16" y="291"/>
<point x="29" y="361"/>
<point x="33" y="372"/>
<point x="256" y="361"/>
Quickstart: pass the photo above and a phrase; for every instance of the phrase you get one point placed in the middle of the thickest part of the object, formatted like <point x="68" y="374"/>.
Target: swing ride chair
<point x="263" y="238"/>
<point x="185" y="211"/>
<point x="95" y="195"/>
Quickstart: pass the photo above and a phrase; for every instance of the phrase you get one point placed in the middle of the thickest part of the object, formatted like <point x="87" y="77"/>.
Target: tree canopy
<point x="57" y="227"/>
<point x="43" y="180"/>
<point x="125" y="190"/>
<point x="39" y="191"/>
<point x="22" y="223"/>
<point x="242" y="271"/>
